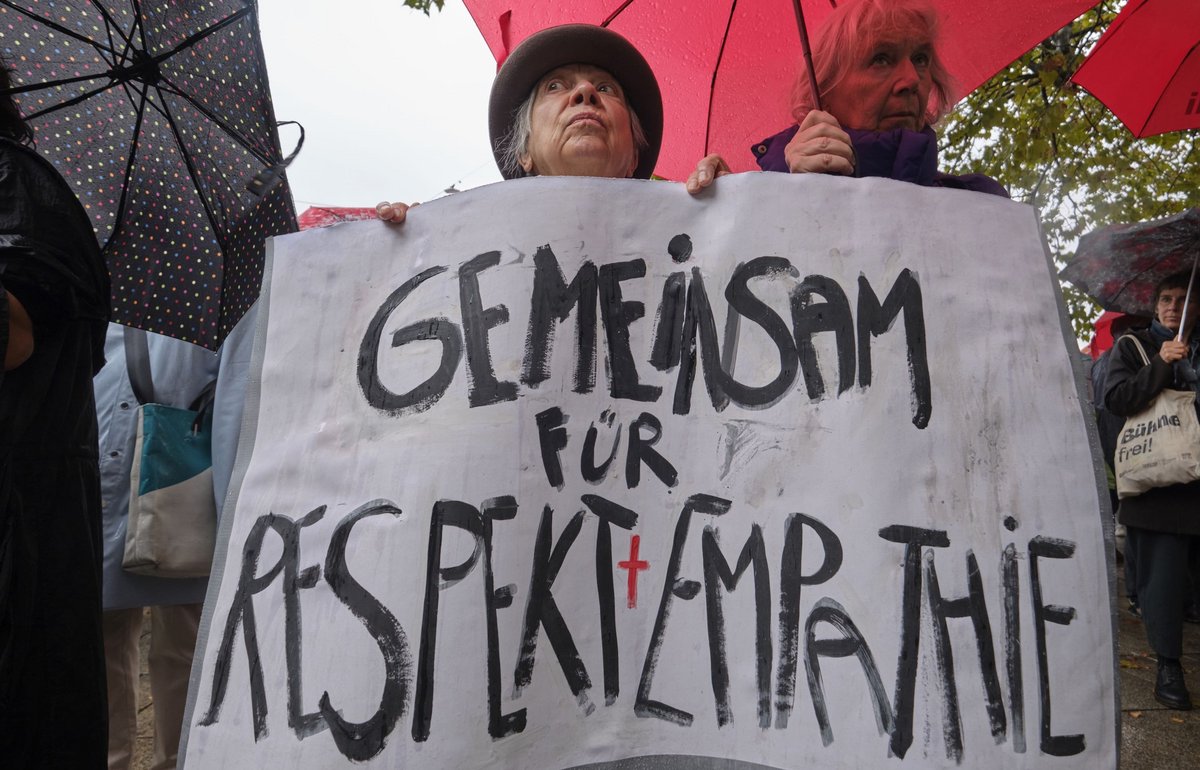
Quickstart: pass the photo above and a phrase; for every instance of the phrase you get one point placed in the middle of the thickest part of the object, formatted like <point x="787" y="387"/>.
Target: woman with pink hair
<point x="882" y="86"/>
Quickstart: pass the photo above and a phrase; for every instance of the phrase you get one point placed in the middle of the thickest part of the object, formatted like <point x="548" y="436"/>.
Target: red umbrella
<point x="1110" y="325"/>
<point x="1146" y="67"/>
<point x="726" y="68"/>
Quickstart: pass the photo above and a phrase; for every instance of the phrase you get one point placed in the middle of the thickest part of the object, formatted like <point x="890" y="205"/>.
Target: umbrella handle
<point x="1186" y="299"/>
<point x="807" y="51"/>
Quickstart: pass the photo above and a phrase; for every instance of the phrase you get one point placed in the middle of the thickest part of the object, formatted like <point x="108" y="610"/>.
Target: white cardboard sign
<point x="571" y="472"/>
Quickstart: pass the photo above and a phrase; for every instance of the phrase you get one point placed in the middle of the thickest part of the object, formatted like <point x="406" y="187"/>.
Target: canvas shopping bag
<point x="171" y="530"/>
<point x="1160" y="445"/>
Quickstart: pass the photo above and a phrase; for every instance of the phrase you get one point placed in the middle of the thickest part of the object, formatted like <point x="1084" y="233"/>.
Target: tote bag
<point x="1160" y="445"/>
<point x="171" y="530"/>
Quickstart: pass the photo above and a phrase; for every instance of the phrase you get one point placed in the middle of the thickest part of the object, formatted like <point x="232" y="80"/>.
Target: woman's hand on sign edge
<point x="394" y="213"/>
<point x="820" y="147"/>
<point x="707" y="170"/>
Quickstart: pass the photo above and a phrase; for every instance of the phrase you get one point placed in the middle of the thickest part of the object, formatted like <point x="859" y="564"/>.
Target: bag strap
<point x="137" y="364"/>
<point x="1138" y="344"/>
<point x="202" y="405"/>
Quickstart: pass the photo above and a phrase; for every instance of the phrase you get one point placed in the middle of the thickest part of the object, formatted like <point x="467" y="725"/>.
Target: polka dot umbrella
<point x="158" y="114"/>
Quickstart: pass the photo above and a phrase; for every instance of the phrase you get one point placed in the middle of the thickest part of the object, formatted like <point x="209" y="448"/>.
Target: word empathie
<point x="918" y="593"/>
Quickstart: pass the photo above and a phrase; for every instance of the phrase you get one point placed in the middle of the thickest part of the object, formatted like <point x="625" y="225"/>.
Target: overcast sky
<point x="394" y="103"/>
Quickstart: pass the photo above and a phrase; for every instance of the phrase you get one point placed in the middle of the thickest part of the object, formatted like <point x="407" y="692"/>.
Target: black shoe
<point x="1169" y="687"/>
<point x="1192" y="614"/>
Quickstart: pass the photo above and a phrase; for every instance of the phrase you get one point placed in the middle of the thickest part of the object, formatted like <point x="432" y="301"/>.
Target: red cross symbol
<point x="633" y="564"/>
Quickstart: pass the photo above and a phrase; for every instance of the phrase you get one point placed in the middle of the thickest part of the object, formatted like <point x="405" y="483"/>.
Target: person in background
<point x="572" y="100"/>
<point x="54" y="306"/>
<point x="179" y="371"/>
<point x="882" y="88"/>
<point x="1110" y="426"/>
<point x="1162" y="520"/>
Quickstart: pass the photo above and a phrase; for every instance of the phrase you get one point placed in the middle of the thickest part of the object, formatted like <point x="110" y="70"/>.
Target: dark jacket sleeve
<point x="1131" y="384"/>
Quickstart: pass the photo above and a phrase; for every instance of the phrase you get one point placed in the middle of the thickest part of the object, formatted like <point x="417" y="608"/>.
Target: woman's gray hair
<point x="516" y="143"/>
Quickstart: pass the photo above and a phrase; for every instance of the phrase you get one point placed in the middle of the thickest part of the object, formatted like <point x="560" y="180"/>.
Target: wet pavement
<point x="1152" y="735"/>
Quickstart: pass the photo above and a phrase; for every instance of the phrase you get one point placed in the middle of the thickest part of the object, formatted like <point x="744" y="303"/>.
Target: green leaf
<point x="1057" y="148"/>
<point x="424" y="5"/>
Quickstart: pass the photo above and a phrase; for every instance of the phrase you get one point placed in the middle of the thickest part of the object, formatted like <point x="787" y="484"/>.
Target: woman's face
<point x="580" y="125"/>
<point x="1168" y="309"/>
<point x="887" y="84"/>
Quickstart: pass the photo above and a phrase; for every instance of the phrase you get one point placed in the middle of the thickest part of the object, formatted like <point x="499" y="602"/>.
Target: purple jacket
<point x="901" y="154"/>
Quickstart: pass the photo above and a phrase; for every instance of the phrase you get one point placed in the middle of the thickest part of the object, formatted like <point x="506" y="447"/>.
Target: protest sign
<point x="569" y="473"/>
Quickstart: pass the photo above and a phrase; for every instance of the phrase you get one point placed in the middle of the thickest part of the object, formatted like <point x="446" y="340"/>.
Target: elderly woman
<point x="1161" y="522"/>
<point x="572" y="100"/>
<point x="882" y="86"/>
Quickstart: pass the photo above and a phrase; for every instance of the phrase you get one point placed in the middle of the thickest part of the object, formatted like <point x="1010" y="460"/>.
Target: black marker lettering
<point x="641" y="451"/>
<point x="553" y="299"/>
<point x="716" y="574"/>
<point x="618" y="315"/>
<point x="482" y="386"/>
<point x="875" y="319"/>
<point x="241" y="613"/>
<point x="913" y="539"/>
<point x="1012" y="644"/>
<point x="453" y="513"/>
<point x="552" y="436"/>
<point x="851" y="642"/>
<point x="673" y="586"/>
<point x="609" y="513"/>
<point x="541" y="611"/>
<point x="832" y="315"/>
<point x="440" y="328"/>
<point x="791" y="580"/>
<point x="359" y="741"/>
<point x="1049" y="548"/>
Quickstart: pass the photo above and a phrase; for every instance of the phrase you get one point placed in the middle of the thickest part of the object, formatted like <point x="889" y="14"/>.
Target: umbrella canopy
<point x="726" y="68"/>
<point x="157" y="115"/>
<point x="1146" y="66"/>
<point x="1120" y="265"/>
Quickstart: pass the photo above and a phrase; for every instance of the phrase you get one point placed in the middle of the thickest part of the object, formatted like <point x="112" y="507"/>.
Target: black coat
<point x="1130" y="387"/>
<point x="52" y="691"/>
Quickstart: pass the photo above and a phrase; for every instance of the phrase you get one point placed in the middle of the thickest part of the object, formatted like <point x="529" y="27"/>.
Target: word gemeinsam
<point x="684" y="319"/>
<point x="919" y="595"/>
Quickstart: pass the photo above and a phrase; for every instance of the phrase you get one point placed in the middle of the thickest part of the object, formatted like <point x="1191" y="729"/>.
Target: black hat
<point x="576" y="44"/>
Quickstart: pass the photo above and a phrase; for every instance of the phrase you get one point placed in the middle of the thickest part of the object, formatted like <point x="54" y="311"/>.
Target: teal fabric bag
<point x="171" y="530"/>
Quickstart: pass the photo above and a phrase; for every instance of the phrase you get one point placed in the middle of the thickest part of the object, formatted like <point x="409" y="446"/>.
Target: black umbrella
<point x="1120" y="265"/>
<point x="158" y="114"/>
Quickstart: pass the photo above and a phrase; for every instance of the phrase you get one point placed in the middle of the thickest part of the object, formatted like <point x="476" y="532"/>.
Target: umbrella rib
<point x="113" y="28"/>
<point x="55" y="83"/>
<point x="234" y="134"/>
<point x="712" y="86"/>
<point x="1163" y="95"/>
<point x="133" y="150"/>
<point x="68" y="103"/>
<point x="59" y="28"/>
<point x="111" y="23"/>
<point x="191" y="40"/>
<point x="194" y="173"/>
<point x="612" y="16"/>
<point x="139" y="28"/>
